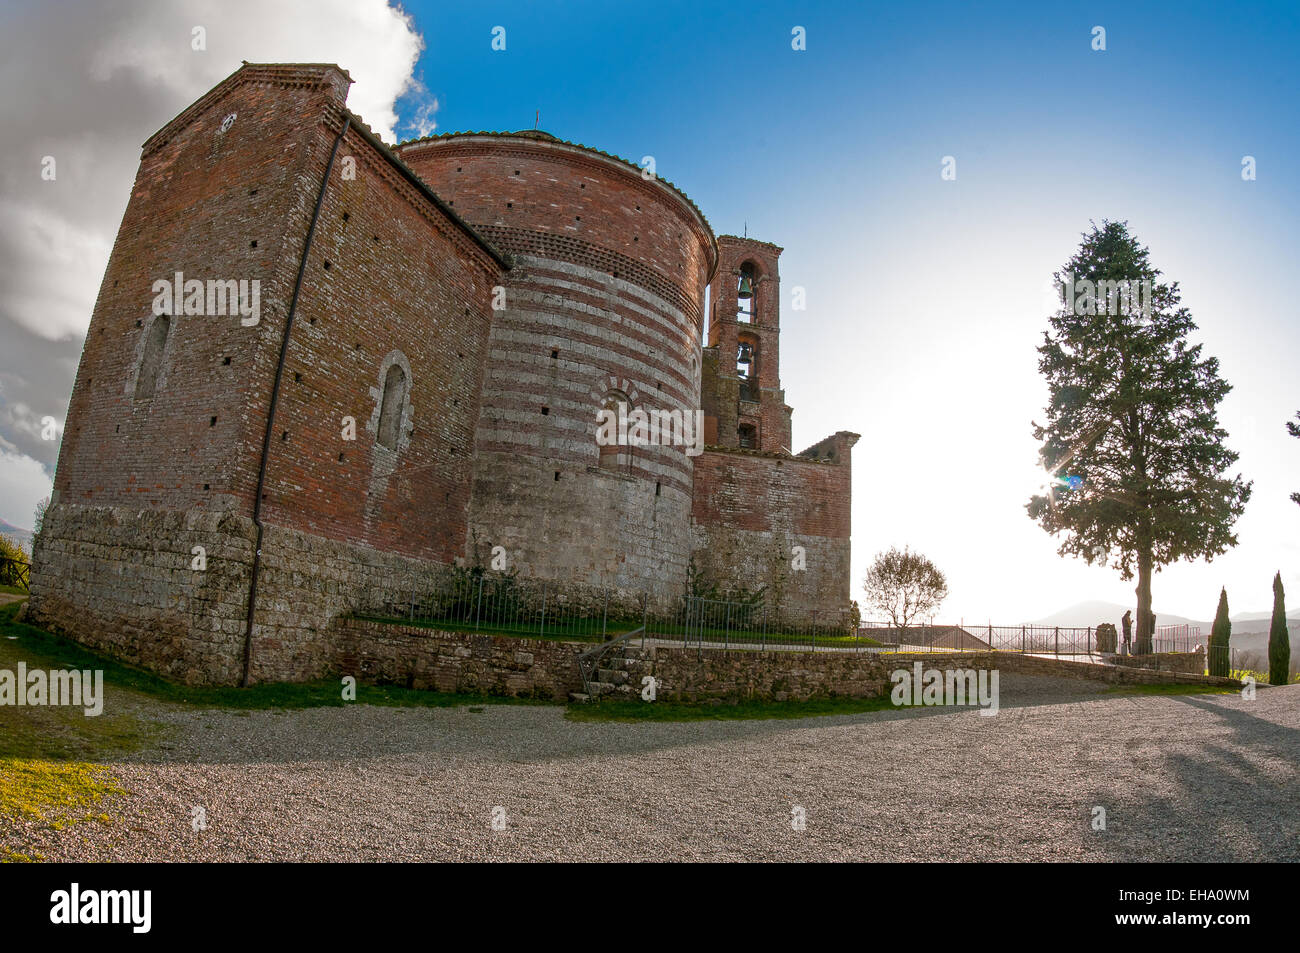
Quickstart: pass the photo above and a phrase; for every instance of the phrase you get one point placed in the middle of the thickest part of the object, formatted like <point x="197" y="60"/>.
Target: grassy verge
<point x="1261" y="678"/>
<point x="636" y="710"/>
<point x="13" y="590"/>
<point x="52" y="793"/>
<point x="563" y="633"/>
<point x="41" y="649"/>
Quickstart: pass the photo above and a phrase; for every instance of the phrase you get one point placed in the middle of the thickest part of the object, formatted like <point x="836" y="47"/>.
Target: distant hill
<point x="1096" y="611"/>
<point x="22" y="536"/>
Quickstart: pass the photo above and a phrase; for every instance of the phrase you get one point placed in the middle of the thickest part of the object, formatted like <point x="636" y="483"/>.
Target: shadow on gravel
<point x="1227" y="806"/>
<point x="524" y="734"/>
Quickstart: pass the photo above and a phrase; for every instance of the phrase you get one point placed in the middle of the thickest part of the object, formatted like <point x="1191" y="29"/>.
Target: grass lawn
<point x="20" y="728"/>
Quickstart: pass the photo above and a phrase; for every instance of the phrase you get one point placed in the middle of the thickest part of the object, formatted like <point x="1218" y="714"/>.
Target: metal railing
<point x="589" y="660"/>
<point x="16" y="573"/>
<point x="505" y="604"/>
<point x="722" y="624"/>
<point x="1026" y="639"/>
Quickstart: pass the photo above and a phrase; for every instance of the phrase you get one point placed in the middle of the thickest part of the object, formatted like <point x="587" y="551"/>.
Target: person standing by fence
<point x="1127" y="623"/>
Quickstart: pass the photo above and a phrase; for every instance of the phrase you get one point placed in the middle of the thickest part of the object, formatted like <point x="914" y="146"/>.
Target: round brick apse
<point x="603" y="306"/>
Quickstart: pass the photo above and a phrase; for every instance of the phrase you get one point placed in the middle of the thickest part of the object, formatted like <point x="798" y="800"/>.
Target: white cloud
<point x="23" y="482"/>
<point x="97" y="81"/>
<point x="376" y="43"/>
<point x="422" y="123"/>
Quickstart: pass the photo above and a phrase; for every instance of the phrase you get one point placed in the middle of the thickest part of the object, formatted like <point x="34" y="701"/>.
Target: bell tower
<point x="744" y="405"/>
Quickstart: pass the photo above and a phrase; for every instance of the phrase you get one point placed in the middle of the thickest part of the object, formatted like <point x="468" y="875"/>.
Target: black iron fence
<point x="15" y="573"/>
<point x="1028" y="639"/>
<point x="506" y="604"/>
<point x="718" y="623"/>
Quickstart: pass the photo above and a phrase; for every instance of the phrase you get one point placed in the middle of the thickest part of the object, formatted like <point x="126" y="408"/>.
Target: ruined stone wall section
<point x="751" y="509"/>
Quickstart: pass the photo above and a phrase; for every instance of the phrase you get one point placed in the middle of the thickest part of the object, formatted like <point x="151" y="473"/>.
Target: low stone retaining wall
<point x="686" y="675"/>
<point x="1189" y="663"/>
<point x="467" y="662"/>
<point x="536" y="668"/>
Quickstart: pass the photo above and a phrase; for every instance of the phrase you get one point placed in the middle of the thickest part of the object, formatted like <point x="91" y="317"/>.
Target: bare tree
<point x="906" y="586"/>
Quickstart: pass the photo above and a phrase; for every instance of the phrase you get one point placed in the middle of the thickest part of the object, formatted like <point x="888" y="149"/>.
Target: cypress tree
<point x="1219" y="635"/>
<point x="1279" y="640"/>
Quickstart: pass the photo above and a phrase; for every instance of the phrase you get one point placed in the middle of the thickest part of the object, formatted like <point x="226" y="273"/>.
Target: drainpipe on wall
<point x="275" y="400"/>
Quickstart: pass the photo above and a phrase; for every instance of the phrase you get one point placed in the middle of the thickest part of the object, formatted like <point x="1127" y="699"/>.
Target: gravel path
<point x="1211" y="777"/>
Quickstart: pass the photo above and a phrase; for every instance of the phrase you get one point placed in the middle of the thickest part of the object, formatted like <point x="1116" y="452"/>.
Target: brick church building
<point x="434" y="327"/>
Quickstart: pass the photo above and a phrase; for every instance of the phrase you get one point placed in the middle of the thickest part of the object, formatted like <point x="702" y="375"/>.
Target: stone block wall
<point x="459" y="661"/>
<point x="119" y="580"/>
<point x="751" y="508"/>
<point x="1190" y="663"/>
<point x="687" y="675"/>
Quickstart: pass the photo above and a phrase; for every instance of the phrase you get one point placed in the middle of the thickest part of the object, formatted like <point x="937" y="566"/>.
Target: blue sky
<point x="926" y="298"/>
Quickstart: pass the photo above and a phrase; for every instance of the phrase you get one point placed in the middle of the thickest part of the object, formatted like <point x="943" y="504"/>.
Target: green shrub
<point x="1279" y="640"/>
<point x="1221" y="632"/>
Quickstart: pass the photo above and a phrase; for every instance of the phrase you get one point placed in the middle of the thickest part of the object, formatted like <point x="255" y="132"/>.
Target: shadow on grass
<point x="67" y="733"/>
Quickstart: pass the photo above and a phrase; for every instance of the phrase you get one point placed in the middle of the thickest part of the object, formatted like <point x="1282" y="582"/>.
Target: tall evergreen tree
<point x="1279" y="640"/>
<point x="1132" y="446"/>
<point x="1220" y="658"/>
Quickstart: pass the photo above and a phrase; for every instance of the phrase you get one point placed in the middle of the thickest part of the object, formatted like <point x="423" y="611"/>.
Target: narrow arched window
<point x="146" y="382"/>
<point x="391" y="406"/>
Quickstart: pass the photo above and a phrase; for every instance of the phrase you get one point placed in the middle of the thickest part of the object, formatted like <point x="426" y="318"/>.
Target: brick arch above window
<point x="613" y="382"/>
<point x="393" y="417"/>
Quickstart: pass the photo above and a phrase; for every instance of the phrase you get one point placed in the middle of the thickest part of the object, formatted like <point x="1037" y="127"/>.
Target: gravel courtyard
<point x="1207" y="777"/>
